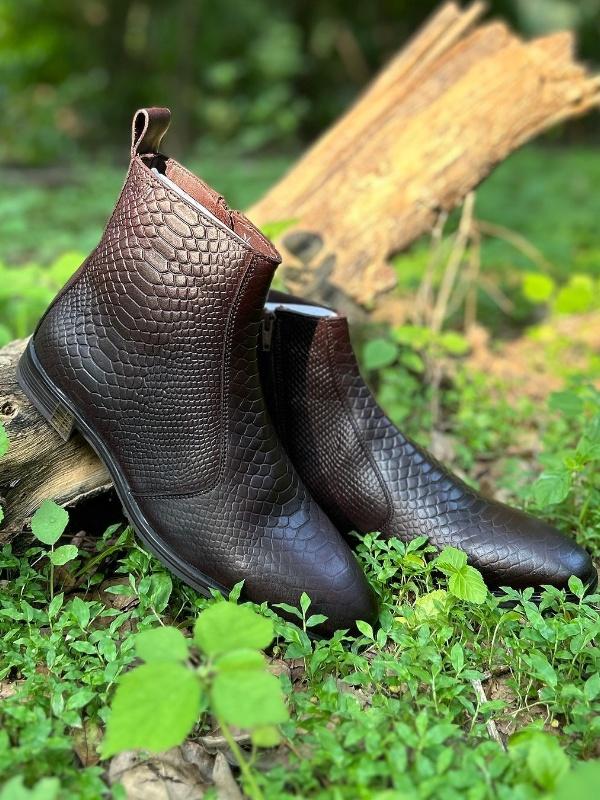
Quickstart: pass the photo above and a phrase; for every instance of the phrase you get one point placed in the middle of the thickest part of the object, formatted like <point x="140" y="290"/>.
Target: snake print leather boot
<point x="368" y="476"/>
<point x="150" y="353"/>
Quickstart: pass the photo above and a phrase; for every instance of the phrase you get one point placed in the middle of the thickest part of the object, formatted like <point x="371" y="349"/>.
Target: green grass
<point x="392" y="714"/>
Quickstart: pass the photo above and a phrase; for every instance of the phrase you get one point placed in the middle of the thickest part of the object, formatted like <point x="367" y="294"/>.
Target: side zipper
<point x="268" y="323"/>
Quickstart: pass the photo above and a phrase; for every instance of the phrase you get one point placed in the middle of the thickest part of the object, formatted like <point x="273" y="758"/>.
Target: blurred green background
<point x="251" y="83"/>
<point x="253" y="74"/>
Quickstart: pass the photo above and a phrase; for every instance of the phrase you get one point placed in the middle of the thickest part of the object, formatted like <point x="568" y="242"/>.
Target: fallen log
<point x="452" y="104"/>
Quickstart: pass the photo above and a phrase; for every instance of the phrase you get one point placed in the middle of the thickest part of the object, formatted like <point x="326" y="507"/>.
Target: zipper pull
<point x="268" y="323"/>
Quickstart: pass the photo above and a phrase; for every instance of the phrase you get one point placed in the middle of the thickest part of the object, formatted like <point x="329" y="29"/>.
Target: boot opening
<point x="199" y="194"/>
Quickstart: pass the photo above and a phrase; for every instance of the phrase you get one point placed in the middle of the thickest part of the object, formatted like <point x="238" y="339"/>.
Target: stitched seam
<point x="341" y="395"/>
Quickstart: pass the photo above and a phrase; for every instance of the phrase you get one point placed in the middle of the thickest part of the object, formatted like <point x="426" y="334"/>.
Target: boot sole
<point x="61" y="414"/>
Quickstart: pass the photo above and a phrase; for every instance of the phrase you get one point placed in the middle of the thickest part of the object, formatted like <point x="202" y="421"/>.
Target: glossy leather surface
<point x="153" y="342"/>
<point x="368" y="476"/>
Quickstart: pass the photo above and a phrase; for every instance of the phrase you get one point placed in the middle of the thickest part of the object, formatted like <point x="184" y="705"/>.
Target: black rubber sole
<point x="62" y="415"/>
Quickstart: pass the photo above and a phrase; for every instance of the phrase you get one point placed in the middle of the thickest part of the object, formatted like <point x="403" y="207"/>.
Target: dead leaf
<point x="85" y="743"/>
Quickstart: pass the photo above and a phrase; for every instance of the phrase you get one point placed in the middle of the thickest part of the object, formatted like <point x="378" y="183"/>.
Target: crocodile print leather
<point x="154" y="343"/>
<point x="368" y="476"/>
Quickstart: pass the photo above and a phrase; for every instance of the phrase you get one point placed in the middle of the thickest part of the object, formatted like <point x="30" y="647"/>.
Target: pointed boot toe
<point x="368" y="476"/>
<point x="150" y="352"/>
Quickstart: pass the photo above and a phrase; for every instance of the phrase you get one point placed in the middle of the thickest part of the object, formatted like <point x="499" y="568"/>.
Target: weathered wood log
<point x="455" y="102"/>
<point x="38" y="464"/>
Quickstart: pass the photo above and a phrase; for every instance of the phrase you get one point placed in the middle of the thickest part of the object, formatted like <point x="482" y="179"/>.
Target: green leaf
<point x="546" y="761"/>
<point x="538" y="288"/>
<point x="49" y="522"/>
<point x="274" y="229"/>
<point x="161" y="644"/>
<point x="4" y="443"/>
<point x="80" y="698"/>
<point x="63" y="554"/>
<point x="364" y="628"/>
<point x="580" y="782"/>
<point x="155" y="707"/>
<point x="591" y="688"/>
<point x="379" y="353"/>
<point x="467" y="584"/>
<point x="432" y="604"/>
<point x="454" y="343"/>
<point x="45" y="789"/>
<point x="450" y="560"/>
<point x="551" y="488"/>
<point x="577" y="296"/>
<point x="266" y="736"/>
<point x="225" y="626"/>
<point x="248" y="699"/>
<point x="81" y="611"/>
<point x="304" y="602"/>
<point x="542" y="669"/>
<point x="567" y="402"/>
<point x="245" y="660"/>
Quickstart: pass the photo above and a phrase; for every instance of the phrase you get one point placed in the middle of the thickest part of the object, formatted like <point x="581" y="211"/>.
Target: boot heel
<point x="37" y="389"/>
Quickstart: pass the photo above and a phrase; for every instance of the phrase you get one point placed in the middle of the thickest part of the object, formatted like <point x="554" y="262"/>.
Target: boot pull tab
<point x="147" y="130"/>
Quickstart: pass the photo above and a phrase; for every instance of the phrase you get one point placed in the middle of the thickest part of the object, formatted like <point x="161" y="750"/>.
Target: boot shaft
<point x="153" y="324"/>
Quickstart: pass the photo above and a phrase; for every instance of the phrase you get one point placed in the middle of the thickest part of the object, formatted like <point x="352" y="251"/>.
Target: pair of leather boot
<point x="150" y="352"/>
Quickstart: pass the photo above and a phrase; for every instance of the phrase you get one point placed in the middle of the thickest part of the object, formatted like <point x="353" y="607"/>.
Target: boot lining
<point x="297" y="308"/>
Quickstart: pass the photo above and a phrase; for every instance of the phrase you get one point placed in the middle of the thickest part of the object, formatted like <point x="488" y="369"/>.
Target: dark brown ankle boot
<point x="149" y="351"/>
<point x="368" y="476"/>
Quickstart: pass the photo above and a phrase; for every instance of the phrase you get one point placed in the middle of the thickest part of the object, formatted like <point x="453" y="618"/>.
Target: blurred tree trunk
<point x="450" y="106"/>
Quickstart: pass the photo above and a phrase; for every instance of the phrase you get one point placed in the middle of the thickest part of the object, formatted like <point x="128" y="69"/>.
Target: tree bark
<point x="455" y="102"/>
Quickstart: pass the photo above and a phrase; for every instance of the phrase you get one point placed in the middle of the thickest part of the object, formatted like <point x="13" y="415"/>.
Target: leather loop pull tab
<point x="147" y="130"/>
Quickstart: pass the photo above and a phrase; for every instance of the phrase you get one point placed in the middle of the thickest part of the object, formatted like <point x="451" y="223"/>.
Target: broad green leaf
<point x="546" y="761"/>
<point x="551" y="488"/>
<point x="63" y="554"/>
<point x="154" y="708"/>
<point x="579" y="783"/>
<point x="1" y="515"/>
<point x="3" y="440"/>
<point x="49" y="522"/>
<point x="467" y="584"/>
<point x="379" y="353"/>
<point x="162" y="644"/>
<point x="244" y="660"/>
<point x="225" y="626"/>
<point x="248" y="699"/>
<point x="450" y="560"/>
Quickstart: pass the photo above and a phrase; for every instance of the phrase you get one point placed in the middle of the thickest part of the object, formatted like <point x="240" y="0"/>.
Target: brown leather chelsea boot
<point x="368" y="476"/>
<point x="149" y="351"/>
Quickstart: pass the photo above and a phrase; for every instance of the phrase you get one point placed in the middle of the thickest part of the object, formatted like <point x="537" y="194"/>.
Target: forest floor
<point x="447" y="699"/>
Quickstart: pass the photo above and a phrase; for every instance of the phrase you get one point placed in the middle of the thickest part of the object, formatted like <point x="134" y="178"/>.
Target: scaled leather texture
<point x="368" y="476"/>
